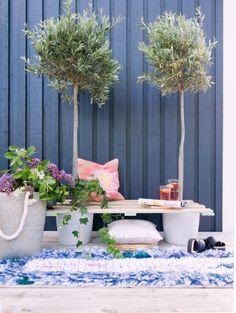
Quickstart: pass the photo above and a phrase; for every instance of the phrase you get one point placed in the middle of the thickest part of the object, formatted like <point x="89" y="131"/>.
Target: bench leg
<point x="180" y="227"/>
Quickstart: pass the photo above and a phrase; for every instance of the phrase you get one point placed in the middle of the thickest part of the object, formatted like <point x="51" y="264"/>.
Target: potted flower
<point x="24" y="190"/>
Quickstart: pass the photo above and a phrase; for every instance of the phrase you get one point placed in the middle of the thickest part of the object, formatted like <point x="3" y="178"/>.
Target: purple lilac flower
<point x="67" y="179"/>
<point x="60" y="176"/>
<point x="6" y="183"/>
<point x="33" y="163"/>
<point x="54" y="171"/>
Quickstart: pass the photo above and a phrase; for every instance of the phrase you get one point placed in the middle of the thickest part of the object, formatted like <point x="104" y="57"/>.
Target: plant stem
<point x="75" y="132"/>
<point x="181" y="148"/>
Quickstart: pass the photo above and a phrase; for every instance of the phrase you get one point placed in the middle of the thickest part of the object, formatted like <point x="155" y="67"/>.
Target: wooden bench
<point x="132" y="208"/>
<point x="179" y="224"/>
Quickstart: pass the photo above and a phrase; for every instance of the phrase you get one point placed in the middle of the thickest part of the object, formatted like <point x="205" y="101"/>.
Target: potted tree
<point x="73" y="51"/>
<point x="180" y="57"/>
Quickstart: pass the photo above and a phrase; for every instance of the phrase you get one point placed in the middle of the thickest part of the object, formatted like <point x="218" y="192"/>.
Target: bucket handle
<point x="27" y="202"/>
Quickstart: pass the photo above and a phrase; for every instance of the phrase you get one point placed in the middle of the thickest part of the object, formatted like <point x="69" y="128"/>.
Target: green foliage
<point x="112" y="249"/>
<point x="178" y="53"/>
<point x="37" y="178"/>
<point x="74" y="49"/>
<point x="105" y="236"/>
<point x="80" y="196"/>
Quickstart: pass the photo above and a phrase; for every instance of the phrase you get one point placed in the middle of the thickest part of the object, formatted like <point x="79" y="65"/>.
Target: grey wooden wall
<point x="137" y="126"/>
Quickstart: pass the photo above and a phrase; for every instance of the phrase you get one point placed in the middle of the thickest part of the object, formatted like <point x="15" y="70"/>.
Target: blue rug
<point x="94" y="267"/>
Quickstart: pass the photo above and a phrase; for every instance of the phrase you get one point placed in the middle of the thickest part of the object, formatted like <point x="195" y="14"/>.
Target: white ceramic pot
<point x="21" y="224"/>
<point x="65" y="232"/>
<point x="180" y="227"/>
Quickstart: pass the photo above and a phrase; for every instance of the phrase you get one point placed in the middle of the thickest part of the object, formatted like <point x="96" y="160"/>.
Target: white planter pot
<point x="21" y="224"/>
<point x="180" y="227"/>
<point x="65" y="232"/>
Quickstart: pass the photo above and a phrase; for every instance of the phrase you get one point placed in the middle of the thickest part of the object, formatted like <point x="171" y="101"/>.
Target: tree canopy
<point x="178" y="53"/>
<point x="74" y="49"/>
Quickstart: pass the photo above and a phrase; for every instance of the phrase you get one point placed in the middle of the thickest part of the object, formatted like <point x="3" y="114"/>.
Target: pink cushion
<point x="107" y="175"/>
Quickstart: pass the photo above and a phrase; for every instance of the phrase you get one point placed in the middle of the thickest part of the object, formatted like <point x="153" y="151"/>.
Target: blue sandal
<point x="196" y="245"/>
<point x="211" y="243"/>
<point x="200" y="245"/>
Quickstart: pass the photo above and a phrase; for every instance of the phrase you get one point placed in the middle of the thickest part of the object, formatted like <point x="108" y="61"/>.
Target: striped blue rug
<point x="94" y="267"/>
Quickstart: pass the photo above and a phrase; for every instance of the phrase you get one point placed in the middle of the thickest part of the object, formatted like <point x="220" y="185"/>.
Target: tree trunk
<point x="181" y="148"/>
<point x="75" y="132"/>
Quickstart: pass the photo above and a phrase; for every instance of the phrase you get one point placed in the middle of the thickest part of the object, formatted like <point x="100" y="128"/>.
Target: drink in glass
<point x="165" y="192"/>
<point x="174" y="185"/>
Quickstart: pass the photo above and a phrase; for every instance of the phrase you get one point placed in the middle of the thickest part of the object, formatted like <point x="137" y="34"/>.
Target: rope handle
<point x="27" y="202"/>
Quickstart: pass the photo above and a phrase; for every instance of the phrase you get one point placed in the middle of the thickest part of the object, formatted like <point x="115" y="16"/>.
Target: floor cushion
<point x="130" y="231"/>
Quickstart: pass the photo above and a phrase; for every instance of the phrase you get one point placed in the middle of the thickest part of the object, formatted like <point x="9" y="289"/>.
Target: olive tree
<point x="180" y="59"/>
<point x="73" y="51"/>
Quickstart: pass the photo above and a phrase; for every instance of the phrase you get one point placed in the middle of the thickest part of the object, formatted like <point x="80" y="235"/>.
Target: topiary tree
<point x="180" y="58"/>
<point x="73" y="51"/>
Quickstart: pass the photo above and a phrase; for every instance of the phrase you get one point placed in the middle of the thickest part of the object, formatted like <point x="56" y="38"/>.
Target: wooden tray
<point x="133" y="247"/>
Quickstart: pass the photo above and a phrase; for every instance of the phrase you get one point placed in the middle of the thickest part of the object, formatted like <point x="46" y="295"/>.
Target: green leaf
<point x="106" y="218"/>
<point x="13" y="148"/>
<point x="79" y="243"/>
<point x="42" y="188"/>
<point x="75" y="233"/>
<point x="31" y="150"/>
<point x="10" y="155"/>
<point x="18" y="174"/>
<point x="83" y="220"/>
<point x="66" y="219"/>
<point x="83" y="210"/>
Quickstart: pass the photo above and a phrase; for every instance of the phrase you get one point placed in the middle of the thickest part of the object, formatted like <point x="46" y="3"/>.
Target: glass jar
<point x="174" y="185"/>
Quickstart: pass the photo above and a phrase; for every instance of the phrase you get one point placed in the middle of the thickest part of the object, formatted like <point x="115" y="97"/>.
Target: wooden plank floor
<point x="116" y="300"/>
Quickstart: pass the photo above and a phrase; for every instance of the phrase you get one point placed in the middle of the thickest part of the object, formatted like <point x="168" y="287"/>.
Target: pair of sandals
<point x="200" y="245"/>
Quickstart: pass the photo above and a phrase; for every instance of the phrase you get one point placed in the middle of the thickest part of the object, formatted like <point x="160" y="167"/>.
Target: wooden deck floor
<point x="116" y="300"/>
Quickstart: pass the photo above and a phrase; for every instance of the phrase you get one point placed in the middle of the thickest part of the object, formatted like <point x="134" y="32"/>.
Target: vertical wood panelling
<point x="66" y="123"/>
<point x="34" y="86"/>
<point x="206" y="132"/>
<point x="50" y="102"/>
<point x="171" y="112"/>
<point x="136" y="101"/>
<point x="137" y="125"/>
<point x="4" y="80"/>
<point x="152" y="105"/>
<point x="85" y="113"/>
<point x="219" y="113"/>
<point x="120" y="92"/>
<point x="103" y="113"/>
<point x="190" y="157"/>
<point x="17" y="80"/>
